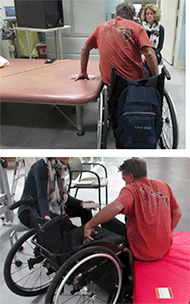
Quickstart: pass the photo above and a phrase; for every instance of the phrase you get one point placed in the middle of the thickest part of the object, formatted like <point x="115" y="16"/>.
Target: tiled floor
<point x="173" y="170"/>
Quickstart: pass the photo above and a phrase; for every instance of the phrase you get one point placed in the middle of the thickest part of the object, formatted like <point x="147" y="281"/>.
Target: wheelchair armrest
<point x="166" y="73"/>
<point x="26" y="201"/>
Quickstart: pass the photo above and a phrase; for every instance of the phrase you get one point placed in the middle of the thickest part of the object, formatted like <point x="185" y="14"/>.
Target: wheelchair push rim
<point x="169" y="135"/>
<point x="103" y="122"/>
<point x="25" y="269"/>
<point x="94" y="278"/>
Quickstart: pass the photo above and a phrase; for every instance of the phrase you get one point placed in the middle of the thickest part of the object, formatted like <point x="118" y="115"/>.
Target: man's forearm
<point x="105" y="214"/>
<point x="84" y="58"/>
<point x="151" y="60"/>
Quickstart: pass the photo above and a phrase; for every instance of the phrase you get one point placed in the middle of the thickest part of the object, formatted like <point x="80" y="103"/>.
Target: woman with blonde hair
<point x="151" y="16"/>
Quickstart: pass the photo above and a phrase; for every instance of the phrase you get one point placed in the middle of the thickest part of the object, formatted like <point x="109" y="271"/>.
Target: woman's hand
<point x="47" y="217"/>
<point x="143" y="58"/>
<point x="87" y="202"/>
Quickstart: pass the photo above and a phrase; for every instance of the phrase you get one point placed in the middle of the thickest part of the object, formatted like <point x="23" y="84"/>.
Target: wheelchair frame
<point x="91" y="273"/>
<point x="169" y="135"/>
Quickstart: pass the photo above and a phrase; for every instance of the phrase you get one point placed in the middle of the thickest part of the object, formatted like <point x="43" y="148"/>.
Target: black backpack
<point x="138" y="117"/>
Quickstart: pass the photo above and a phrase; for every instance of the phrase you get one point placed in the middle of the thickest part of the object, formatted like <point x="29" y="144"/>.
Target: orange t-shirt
<point x="119" y="42"/>
<point x="148" y="204"/>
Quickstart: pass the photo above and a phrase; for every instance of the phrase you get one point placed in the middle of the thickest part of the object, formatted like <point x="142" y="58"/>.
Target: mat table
<point x="33" y="81"/>
<point x="166" y="281"/>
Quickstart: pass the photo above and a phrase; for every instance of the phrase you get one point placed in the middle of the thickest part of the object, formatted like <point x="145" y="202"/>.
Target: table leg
<point x="79" y="112"/>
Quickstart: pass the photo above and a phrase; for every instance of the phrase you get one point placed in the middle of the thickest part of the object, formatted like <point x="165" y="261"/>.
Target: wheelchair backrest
<point x="119" y="83"/>
<point x="54" y="235"/>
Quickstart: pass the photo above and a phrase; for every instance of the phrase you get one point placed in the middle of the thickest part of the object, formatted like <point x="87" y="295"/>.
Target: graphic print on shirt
<point x="126" y="33"/>
<point x="160" y="197"/>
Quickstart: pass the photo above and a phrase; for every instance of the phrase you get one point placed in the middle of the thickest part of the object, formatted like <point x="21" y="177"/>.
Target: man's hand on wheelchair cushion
<point x="87" y="234"/>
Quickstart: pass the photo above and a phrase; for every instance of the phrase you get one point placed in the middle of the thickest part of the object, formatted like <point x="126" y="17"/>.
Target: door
<point x="86" y="15"/>
<point x="169" y="11"/>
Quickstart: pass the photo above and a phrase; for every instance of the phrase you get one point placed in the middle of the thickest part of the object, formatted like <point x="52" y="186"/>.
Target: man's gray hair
<point x="125" y="10"/>
<point x="136" y="166"/>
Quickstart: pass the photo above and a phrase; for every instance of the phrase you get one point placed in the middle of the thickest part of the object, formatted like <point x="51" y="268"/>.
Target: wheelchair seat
<point x="103" y="237"/>
<point x="59" y="238"/>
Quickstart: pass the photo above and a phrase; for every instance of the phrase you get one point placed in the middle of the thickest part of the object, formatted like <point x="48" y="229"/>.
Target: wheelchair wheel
<point x="103" y="123"/>
<point x="25" y="269"/>
<point x="169" y="135"/>
<point x="92" y="275"/>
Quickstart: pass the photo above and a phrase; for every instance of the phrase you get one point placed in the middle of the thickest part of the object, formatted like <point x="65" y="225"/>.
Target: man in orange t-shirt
<point x="151" y="209"/>
<point x="120" y="42"/>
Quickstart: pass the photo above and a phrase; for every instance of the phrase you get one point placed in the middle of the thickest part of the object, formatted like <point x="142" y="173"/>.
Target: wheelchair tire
<point x="25" y="270"/>
<point x="103" y="122"/>
<point x="169" y="136"/>
<point x="92" y="275"/>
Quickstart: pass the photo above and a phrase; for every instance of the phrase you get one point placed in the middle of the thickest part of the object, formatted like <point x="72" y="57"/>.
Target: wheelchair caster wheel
<point x="20" y="248"/>
<point x="18" y="263"/>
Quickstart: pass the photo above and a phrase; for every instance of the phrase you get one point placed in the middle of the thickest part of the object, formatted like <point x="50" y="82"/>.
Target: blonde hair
<point x="155" y="9"/>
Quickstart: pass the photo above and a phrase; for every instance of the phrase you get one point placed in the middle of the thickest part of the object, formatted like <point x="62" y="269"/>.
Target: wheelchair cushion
<point x="103" y="235"/>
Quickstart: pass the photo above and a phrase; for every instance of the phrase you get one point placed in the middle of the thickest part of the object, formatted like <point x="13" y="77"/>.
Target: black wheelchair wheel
<point x="103" y="122"/>
<point x="169" y="135"/>
<point x="92" y="275"/>
<point x="25" y="269"/>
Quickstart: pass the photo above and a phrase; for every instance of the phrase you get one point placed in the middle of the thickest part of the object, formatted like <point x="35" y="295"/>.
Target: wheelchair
<point x="51" y="258"/>
<point x="108" y="102"/>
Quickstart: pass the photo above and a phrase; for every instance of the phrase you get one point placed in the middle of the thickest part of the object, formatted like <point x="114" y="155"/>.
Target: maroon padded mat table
<point x="33" y="81"/>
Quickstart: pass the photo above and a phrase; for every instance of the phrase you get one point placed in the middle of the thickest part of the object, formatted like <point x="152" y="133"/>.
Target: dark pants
<point x="73" y="209"/>
<point x="25" y="216"/>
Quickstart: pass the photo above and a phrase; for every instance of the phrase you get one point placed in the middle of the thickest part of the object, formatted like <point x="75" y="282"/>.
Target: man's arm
<point x="176" y="214"/>
<point x="151" y="59"/>
<point x="104" y="215"/>
<point x="84" y="62"/>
